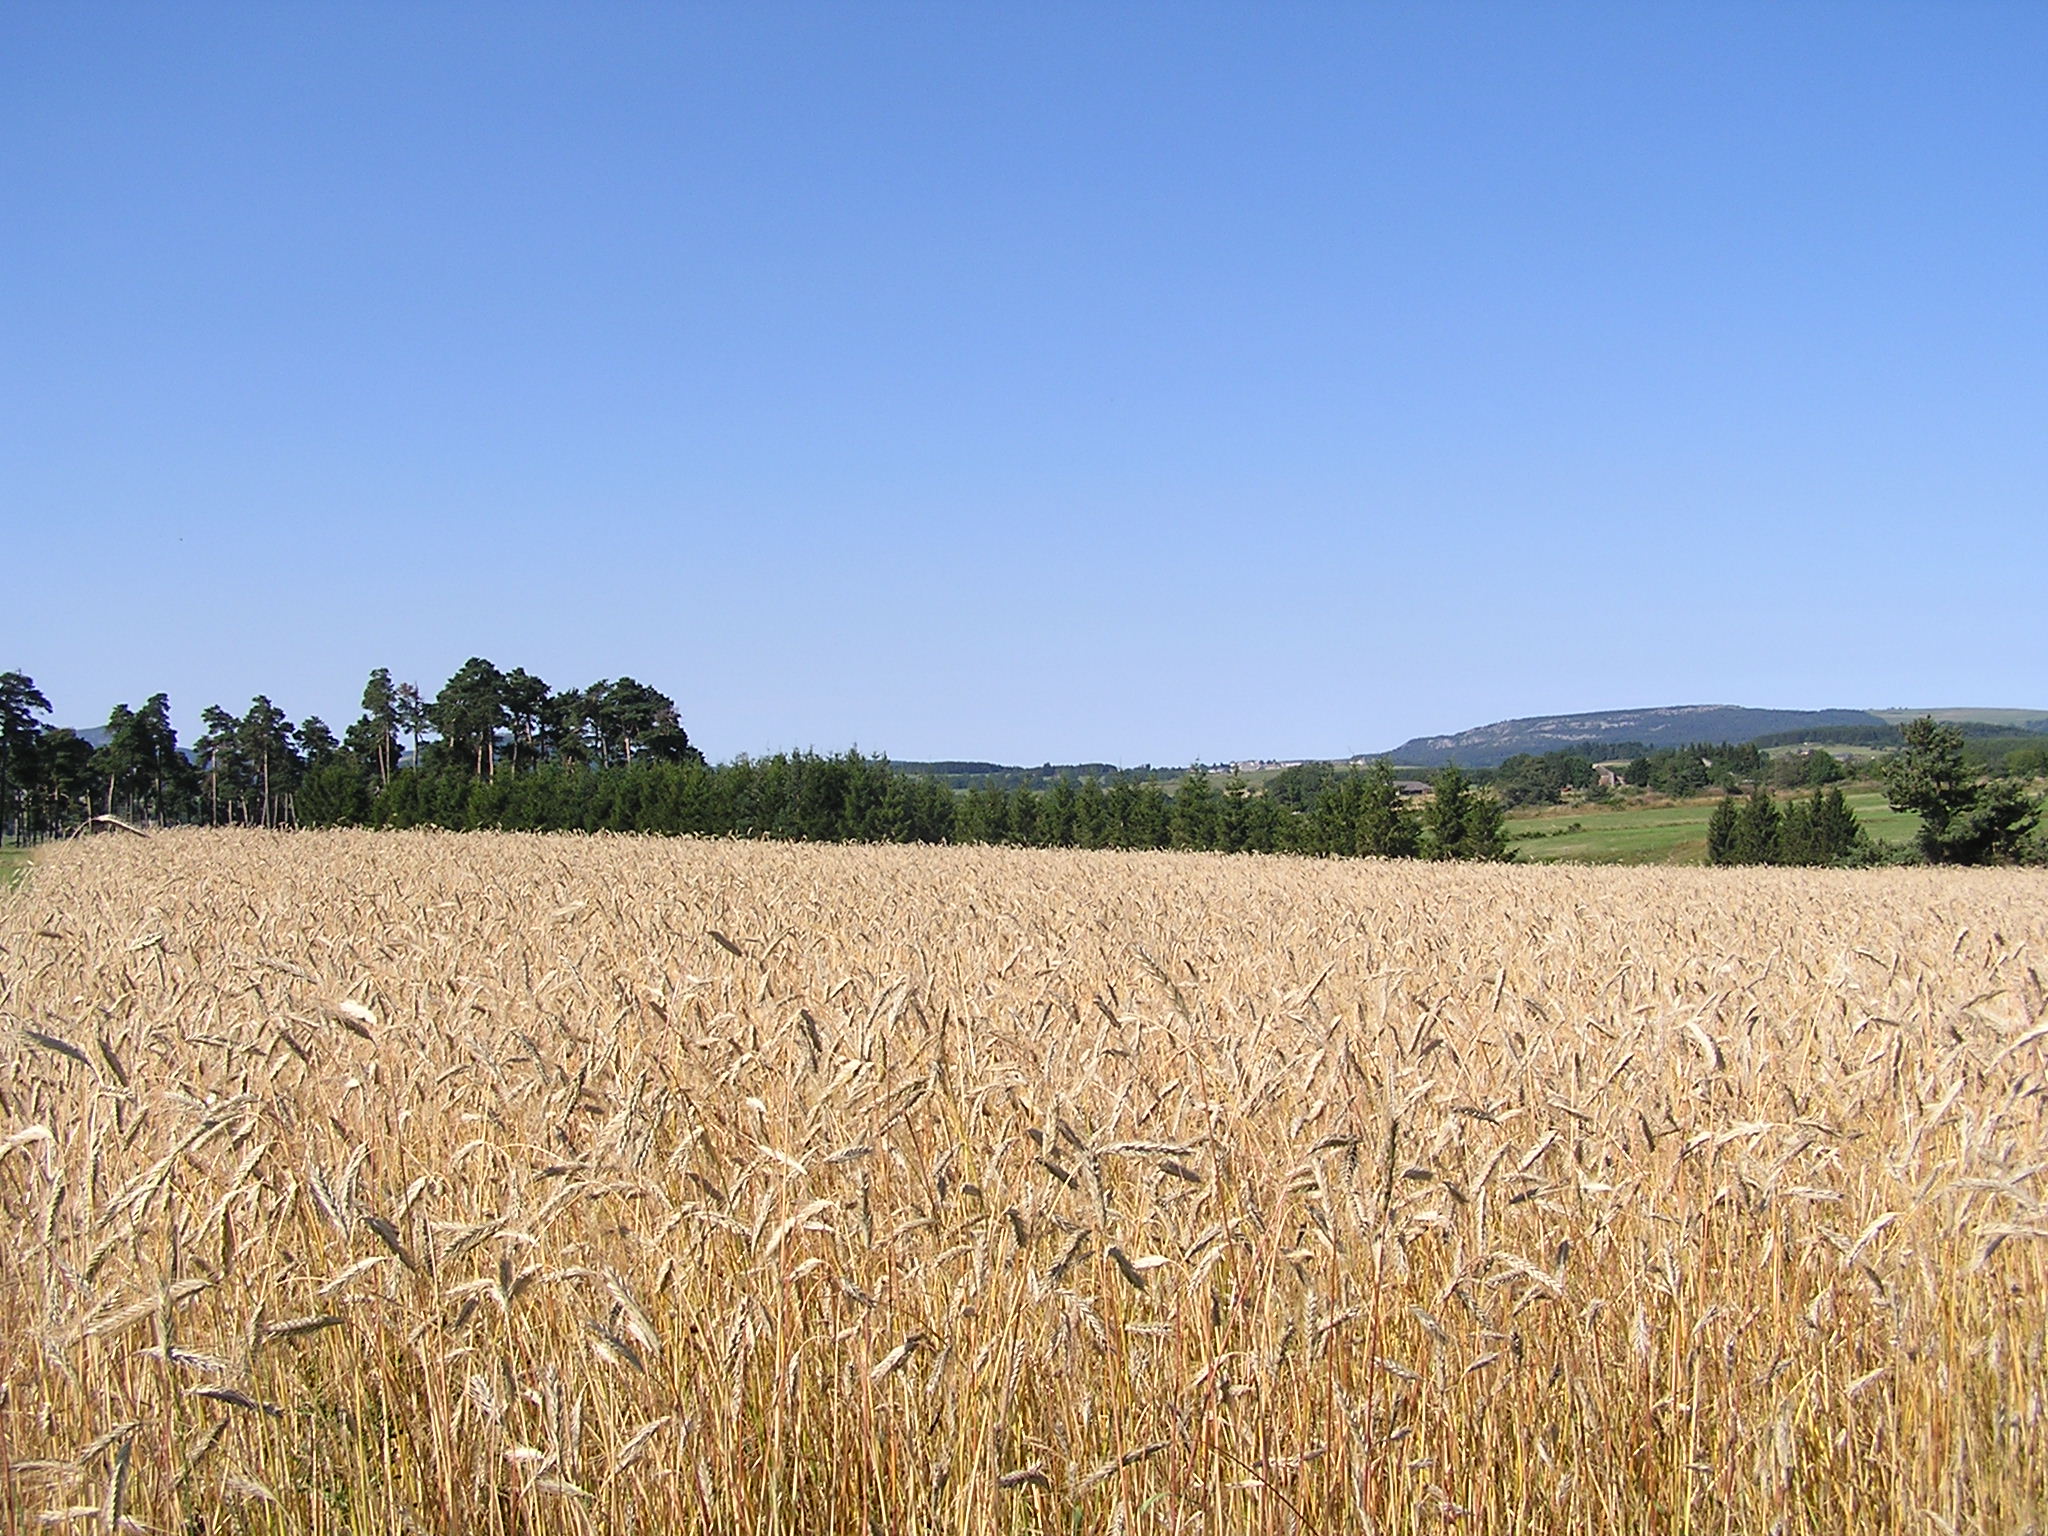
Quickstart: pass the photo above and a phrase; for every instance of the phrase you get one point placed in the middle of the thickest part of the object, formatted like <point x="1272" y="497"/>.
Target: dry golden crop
<point x="363" y="1182"/>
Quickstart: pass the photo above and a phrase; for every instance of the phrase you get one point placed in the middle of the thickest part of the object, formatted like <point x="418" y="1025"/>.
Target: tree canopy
<point x="1965" y="817"/>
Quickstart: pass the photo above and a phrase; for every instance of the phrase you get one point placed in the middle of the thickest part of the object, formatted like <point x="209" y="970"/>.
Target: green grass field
<point x="1840" y="751"/>
<point x="13" y="865"/>
<point x="1670" y="833"/>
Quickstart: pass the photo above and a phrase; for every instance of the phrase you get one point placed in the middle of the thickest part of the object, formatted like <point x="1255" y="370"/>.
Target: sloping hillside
<point x="2015" y="719"/>
<point x="1669" y="726"/>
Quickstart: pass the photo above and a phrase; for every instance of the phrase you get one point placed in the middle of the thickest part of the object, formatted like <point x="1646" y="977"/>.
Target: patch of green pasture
<point x="1671" y="833"/>
<point x="1884" y="824"/>
<point x="1839" y="751"/>
<point x="1674" y="833"/>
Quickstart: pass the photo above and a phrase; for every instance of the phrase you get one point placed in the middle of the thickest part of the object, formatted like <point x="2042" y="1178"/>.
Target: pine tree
<point x="526" y="699"/>
<point x="1963" y="818"/>
<point x="1386" y="826"/>
<point x="316" y="742"/>
<point x="332" y="794"/>
<point x="1837" y="834"/>
<point x="119" y="756"/>
<point x="1058" y="813"/>
<point x="63" y="776"/>
<point x="1798" y="842"/>
<point x="1462" y="822"/>
<point x="1444" y="817"/>
<point x="1486" y="830"/>
<point x="380" y="722"/>
<point x="409" y="711"/>
<point x="167" y="773"/>
<point x="984" y="815"/>
<point x="20" y="735"/>
<point x="265" y="737"/>
<point x="1757" y="829"/>
<point x="563" y="733"/>
<point x="1091" y="815"/>
<point x="1151" y="817"/>
<point x="1021" y="816"/>
<point x="1333" y="818"/>
<point x="219" y="748"/>
<point x="1721" y="830"/>
<point x="1234" y="818"/>
<point x="642" y="720"/>
<point x="468" y="711"/>
<point x="1196" y="813"/>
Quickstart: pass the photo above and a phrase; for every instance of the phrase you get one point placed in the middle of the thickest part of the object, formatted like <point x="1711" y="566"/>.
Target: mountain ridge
<point x="1666" y="725"/>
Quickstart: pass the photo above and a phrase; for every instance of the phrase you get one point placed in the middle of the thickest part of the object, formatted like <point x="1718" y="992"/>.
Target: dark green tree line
<point x="1690" y="769"/>
<point x="805" y="797"/>
<point x="1756" y="829"/>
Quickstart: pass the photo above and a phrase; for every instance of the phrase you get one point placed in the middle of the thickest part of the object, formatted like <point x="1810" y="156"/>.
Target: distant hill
<point x="2010" y="719"/>
<point x="978" y="775"/>
<point x="1674" y="725"/>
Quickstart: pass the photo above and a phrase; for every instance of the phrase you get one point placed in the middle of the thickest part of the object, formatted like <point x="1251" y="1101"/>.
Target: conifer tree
<point x="120" y="757"/>
<point x="1837" y="834"/>
<point x="1386" y="826"/>
<point x="1721" y="831"/>
<point x="219" y="748"/>
<point x="1058" y="814"/>
<point x="525" y="699"/>
<point x="265" y="736"/>
<point x="316" y="742"/>
<point x="1195" y="812"/>
<point x="1444" y="818"/>
<point x="1757" y="829"/>
<point x="1797" y="842"/>
<point x="410" y="711"/>
<point x="20" y="734"/>
<point x="1963" y="818"/>
<point x="170" y="775"/>
<point x="1150" y="822"/>
<point x="468" y="711"/>
<point x="1486" y="830"/>
<point x="380" y="722"/>
<point x="1461" y="822"/>
<point x="1021" y="817"/>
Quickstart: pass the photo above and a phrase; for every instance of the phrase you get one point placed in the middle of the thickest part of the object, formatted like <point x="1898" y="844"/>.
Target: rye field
<point x="361" y="1182"/>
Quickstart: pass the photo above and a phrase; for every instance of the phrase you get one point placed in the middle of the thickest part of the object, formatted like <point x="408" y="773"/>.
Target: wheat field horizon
<point x="514" y="1183"/>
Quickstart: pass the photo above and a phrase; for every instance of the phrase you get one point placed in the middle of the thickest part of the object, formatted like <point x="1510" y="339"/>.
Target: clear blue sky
<point x="1030" y="381"/>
